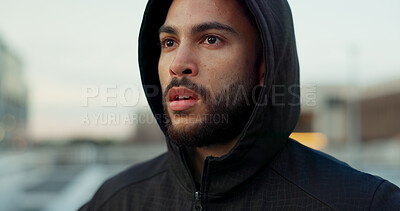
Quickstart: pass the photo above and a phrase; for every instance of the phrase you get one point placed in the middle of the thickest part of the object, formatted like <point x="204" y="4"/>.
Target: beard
<point x="226" y="114"/>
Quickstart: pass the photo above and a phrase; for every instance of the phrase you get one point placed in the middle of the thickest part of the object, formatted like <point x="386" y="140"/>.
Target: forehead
<point x="191" y="12"/>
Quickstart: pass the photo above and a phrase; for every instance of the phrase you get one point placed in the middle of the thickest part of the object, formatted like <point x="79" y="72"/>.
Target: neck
<point x="197" y="156"/>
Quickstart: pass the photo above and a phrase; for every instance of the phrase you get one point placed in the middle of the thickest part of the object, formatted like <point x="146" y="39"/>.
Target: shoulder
<point x="331" y="181"/>
<point x="136" y="174"/>
<point x="386" y="197"/>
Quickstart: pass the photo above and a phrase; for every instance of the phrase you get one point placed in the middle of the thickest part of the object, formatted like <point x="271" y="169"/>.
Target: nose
<point x="184" y="63"/>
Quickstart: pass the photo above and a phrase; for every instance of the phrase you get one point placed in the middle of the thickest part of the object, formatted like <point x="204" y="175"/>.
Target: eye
<point x="168" y="43"/>
<point x="212" y="40"/>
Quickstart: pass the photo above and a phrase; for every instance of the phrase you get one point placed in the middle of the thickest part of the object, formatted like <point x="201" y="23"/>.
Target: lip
<point x="181" y="105"/>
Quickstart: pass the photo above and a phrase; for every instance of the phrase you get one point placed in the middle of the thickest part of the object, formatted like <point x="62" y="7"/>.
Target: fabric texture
<point x="265" y="170"/>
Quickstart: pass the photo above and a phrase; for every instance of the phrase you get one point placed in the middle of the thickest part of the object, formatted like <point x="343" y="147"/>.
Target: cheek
<point x="219" y="74"/>
<point x="226" y="66"/>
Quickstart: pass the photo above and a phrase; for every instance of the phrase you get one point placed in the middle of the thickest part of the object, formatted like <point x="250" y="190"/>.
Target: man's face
<point x="208" y="67"/>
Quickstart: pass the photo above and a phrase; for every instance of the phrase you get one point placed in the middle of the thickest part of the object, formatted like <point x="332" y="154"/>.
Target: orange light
<point x="316" y="141"/>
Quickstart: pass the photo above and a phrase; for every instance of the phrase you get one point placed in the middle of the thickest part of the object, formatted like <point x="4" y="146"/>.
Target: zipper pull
<point x="197" y="201"/>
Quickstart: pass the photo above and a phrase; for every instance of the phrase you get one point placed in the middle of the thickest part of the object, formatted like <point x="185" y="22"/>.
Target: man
<point x="229" y="80"/>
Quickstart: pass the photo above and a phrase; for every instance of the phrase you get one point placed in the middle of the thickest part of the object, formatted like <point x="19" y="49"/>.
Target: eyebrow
<point x="199" y="28"/>
<point x="167" y="29"/>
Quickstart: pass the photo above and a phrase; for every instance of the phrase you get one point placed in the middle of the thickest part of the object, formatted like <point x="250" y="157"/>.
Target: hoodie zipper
<point x="197" y="201"/>
<point x="198" y="194"/>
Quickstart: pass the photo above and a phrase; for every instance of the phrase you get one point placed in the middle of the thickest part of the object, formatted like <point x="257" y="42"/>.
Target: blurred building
<point x="13" y="99"/>
<point x="351" y="115"/>
<point x="324" y="110"/>
<point x="380" y="110"/>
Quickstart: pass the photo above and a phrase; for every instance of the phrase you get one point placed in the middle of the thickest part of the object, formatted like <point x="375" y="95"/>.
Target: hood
<point x="274" y="116"/>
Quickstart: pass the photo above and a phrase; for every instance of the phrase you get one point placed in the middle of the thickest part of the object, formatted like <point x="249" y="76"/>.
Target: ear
<point x="262" y="73"/>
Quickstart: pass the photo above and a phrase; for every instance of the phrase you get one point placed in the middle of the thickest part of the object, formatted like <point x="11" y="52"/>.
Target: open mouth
<point x="181" y="98"/>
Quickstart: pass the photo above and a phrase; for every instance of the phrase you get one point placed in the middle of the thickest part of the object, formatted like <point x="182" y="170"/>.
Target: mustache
<point x="201" y="90"/>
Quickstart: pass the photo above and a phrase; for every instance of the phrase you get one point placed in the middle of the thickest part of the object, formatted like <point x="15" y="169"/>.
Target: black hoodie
<point x="265" y="169"/>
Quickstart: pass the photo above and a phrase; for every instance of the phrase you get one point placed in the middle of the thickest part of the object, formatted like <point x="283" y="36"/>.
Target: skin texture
<point x="220" y="53"/>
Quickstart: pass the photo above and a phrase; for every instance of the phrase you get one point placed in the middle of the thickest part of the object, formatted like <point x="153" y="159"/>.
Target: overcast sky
<point x="67" y="45"/>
